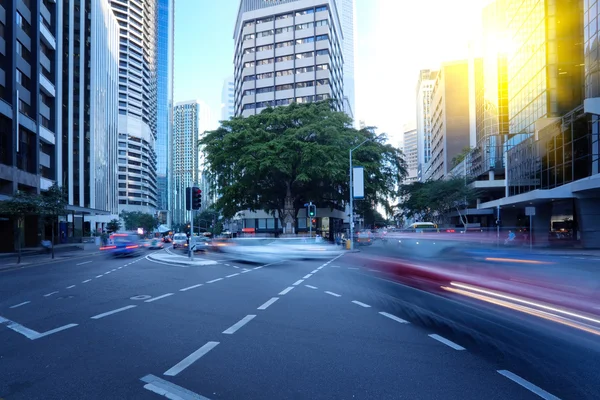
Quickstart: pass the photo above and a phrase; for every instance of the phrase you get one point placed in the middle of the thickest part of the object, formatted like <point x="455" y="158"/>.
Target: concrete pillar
<point x="588" y="219"/>
<point x="541" y="224"/>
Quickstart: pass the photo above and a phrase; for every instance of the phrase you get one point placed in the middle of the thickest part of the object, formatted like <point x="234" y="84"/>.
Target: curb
<point x="185" y="263"/>
<point x="50" y="261"/>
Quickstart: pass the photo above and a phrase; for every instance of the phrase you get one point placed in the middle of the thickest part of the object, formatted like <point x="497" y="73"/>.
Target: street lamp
<point x="352" y="195"/>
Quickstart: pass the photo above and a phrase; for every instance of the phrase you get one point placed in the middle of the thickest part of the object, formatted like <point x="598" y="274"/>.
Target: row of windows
<point x="286" y="43"/>
<point x="284" y="16"/>
<point x="284" y="102"/>
<point x="288" y="57"/>
<point x="288" y="86"/>
<point x="285" y="29"/>
<point x="286" y="72"/>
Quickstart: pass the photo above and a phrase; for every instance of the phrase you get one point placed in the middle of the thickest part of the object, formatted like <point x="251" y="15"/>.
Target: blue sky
<point x="394" y="40"/>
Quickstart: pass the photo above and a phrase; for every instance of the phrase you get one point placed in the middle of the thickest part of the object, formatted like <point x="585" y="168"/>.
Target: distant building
<point x="424" y="114"/>
<point x="410" y="150"/>
<point x="227" y="99"/>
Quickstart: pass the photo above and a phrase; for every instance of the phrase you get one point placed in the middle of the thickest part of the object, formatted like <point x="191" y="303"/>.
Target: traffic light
<point x="188" y="198"/>
<point x="196" y="198"/>
<point x="314" y="221"/>
<point x="312" y="210"/>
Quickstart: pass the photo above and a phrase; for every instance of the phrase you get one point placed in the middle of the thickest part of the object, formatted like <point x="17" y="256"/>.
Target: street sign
<point x="358" y="175"/>
<point x="530" y="211"/>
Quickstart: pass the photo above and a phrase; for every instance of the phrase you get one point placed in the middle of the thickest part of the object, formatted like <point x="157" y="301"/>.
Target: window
<point x="266" y="33"/>
<point x="321" y="82"/>
<point x="284" y="29"/>
<point x="305" y="99"/>
<point x="249" y="50"/>
<point x="322" y="22"/>
<point x="249" y="64"/>
<point x="249" y="78"/>
<point x="322" y="67"/>
<point x="323" y="52"/>
<point x="249" y="36"/>
<point x="284" y="87"/>
<point x="304" y="69"/>
<point x="264" y="75"/>
<point x="300" y="85"/>
<point x="324" y="96"/>
<point x="284" y="58"/>
<point x="249" y="23"/>
<point x="304" y="55"/>
<point x="262" y="104"/>
<point x="305" y="40"/>
<point x="285" y="72"/>
<point x="265" y="61"/>
<point x="267" y="89"/>
<point x="322" y="37"/>
<point x="265" y="47"/>
<point x="305" y="12"/>
<point x="248" y="92"/>
<point x="264" y="20"/>
<point x="321" y="8"/>
<point x="284" y="16"/>
<point x="304" y="26"/>
<point x="284" y="44"/>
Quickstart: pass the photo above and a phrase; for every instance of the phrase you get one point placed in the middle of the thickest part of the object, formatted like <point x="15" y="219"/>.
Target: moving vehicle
<point x="156" y="244"/>
<point x="201" y="243"/>
<point x="265" y="250"/>
<point x="180" y="240"/>
<point x="423" y="227"/>
<point x="122" y="244"/>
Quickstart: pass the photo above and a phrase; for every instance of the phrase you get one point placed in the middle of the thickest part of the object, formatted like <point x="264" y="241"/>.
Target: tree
<point x="431" y="201"/>
<point x="461" y="156"/>
<point x="136" y="219"/>
<point x="149" y="222"/>
<point x="21" y="205"/>
<point x="287" y="156"/>
<point x="113" y="226"/>
<point x="53" y="203"/>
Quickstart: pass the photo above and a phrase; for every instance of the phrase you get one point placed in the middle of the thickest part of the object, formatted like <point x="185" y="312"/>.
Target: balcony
<point x="47" y="36"/>
<point x="47" y="86"/>
<point x="47" y="135"/>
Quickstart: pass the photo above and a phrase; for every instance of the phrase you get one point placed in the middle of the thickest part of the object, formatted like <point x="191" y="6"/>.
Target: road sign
<point x="530" y="211"/>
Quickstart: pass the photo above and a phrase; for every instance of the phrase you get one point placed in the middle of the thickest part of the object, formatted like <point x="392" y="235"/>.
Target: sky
<point x="395" y="39"/>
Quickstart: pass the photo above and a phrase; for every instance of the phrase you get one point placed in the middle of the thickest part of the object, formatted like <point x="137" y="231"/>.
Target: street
<point x="133" y="328"/>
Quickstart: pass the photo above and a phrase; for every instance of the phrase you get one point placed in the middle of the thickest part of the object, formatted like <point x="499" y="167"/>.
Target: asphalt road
<point x="99" y="328"/>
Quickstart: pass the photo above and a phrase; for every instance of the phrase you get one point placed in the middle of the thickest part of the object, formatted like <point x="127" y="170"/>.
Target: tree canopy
<point x="431" y="201"/>
<point x="299" y="152"/>
<point x="137" y="219"/>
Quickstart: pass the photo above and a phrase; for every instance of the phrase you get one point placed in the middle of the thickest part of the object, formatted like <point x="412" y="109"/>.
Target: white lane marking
<point x="232" y="275"/>
<point x="113" y="270"/>
<point x="315" y="271"/>
<point x="446" y="342"/>
<point x="169" y="390"/>
<point x="119" y="267"/>
<point x="393" y="317"/>
<point x="20" y="304"/>
<point x="227" y="265"/>
<point x="373" y="270"/>
<point x="70" y="287"/>
<point x="361" y="304"/>
<point x="107" y="272"/>
<point x="191" y="287"/>
<point x="99" y="276"/>
<point x="55" y="330"/>
<point x="306" y="276"/>
<point x="298" y="282"/>
<point x="335" y="266"/>
<point x="86" y="281"/>
<point x="312" y="287"/>
<point x="189" y="360"/>
<point x="50" y="294"/>
<point x="106" y="314"/>
<point x="286" y="290"/>
<point x="246" y="270"/>
<point x="23" y="330"/>
<point x="268" y="303"/>
<point x="85" y="262"/>
<point x="528" y="385"/>
<point x="231" y="330"/>
<point x="215" y="280"/>
<point x="159" y="297"/>
<point x="234" y="266"/>
<point x="334" y="294"/>
<point x="321" y="267"/>
<point x="258" y="267"/>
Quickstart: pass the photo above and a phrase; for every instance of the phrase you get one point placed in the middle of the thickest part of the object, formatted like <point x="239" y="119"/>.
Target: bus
<point x="424" y="227"/>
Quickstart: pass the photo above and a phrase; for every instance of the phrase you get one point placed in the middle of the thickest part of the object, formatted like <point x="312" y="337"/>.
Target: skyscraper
<point x="190" y="120"/>
<point x="410" y="150"/>
<point x="349" y="29"/>
<point x="424" y="111"/>
<point x="227" y="98"/>
<point x="287" y="51"/>
<point x="137" y="104"/>
<point x="164" y="131"/>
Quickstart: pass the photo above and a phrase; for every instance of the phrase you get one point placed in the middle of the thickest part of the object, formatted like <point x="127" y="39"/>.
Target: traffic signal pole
<point x="310" y="225"/>
<point x="191" y="255"/>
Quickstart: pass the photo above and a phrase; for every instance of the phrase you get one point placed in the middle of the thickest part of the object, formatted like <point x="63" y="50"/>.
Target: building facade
<point x="287" y="51"/>
<point x="164" y="120"/>
<point x="348" y="20"/>
<point x="138" y="91"/>
<point x="410" y="150"/>
<point x="424" y="113"/>
<point x="190" y="120"/>
<point x="227" y="99"/>
<point x="450" y="118"/>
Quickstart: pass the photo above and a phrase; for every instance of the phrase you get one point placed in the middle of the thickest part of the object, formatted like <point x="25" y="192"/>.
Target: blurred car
<point x="266" y="250"/>
<point x="364" y="238"/>
<point x="156" y="244"/>
<point x="180" y="240"/>
<point x="201" y="243"/>
<point x="122" y="244"/>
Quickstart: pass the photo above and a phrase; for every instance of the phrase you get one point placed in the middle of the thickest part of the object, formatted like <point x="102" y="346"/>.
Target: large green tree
<point x="53" y="203"/>
<point x="286" y="156"/>
<point x="136" y="219"/>
<point x="433" y="200"/>
<point x="21" y="205"/>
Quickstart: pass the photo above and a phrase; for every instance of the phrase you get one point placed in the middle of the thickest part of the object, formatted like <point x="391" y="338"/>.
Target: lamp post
<point x="352" y="196"/>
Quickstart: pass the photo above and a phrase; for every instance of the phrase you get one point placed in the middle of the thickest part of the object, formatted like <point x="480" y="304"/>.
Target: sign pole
<point x="310" y="224"/>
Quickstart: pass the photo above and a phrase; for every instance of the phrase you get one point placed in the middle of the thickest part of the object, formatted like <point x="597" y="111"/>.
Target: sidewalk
<point x="163" y="257"/>
<point x="61" y="252"/>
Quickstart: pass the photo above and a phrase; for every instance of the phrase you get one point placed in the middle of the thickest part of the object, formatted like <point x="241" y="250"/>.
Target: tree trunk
<point x="289" y="216"/>
<point x="52" y="244"/>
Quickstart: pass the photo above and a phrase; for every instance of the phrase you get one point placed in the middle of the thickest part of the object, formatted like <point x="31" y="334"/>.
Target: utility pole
<point x="352" y="196"/>
<point x="190" y="246"/>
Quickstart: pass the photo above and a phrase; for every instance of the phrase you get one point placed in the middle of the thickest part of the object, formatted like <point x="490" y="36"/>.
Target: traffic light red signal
<point x="196" y="198"/>
<point x="314" y="220"/>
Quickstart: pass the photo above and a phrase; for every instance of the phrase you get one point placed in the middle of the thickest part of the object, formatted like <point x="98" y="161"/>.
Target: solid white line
<point x="258" y="267"/>
<point x="189" y="360"/>
<point x="106" y="314"/>
<point x="528" y="385"/>
<point x="85" y="262"/>
<point x="23" y="330"/>
<point x="191" y="287"/>
<point x="286" y="290"/>
<point x="159" y="297"/>
<point x="232" y="275"/>
<point x="361" y="304"/>
<point x="113" y="270"/>
<point x="20" y="304"/>
<point x="235" y="266"/>
<point x="315" y="271"/>
<point x="312" y="287"/>
<point x="321" y="267"/>
<point x="393" y="317"/>
<point x="107" y="272"/>
<point x="70" y="287"/>
<point x="268" y="303"/>
<point x="298" y="282"/>
<point x="99" y="276"/>
<point x="50" y="294"/>
<point x="119" y="267"/>
<point x="306" y="276"/>
<point x="334" y="294"/>
<point x="215" y="280"/>
<point x="86" y="281"/>
<point x="246" y="270"/>
<point x="446" y="342"/>
<point x="53" y="331"/>
<point x="239" y="324"/>
<point x="169" y="390"/>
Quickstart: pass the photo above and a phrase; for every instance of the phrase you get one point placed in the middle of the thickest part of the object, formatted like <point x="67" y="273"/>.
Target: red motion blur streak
<point x="108" y="247"/>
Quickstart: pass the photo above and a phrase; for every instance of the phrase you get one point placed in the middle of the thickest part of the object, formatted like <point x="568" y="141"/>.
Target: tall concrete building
<point x="227" y="98"/>
<point x="287" y="51"/>
<point x="410" y="150"/>
<point x="89" y="85"/>
<point x="164" y="120"/>
<point x="138" y="91"/>
<point x="190" y="120"/>
<point x="424" y="114"/>
<point x="348" y="20"/>
<point x="450" y="118"/>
